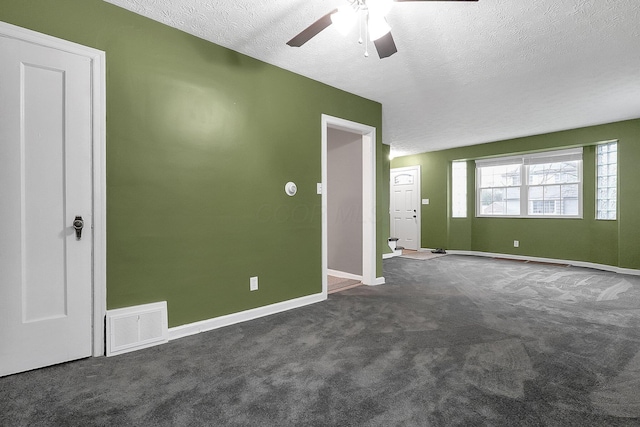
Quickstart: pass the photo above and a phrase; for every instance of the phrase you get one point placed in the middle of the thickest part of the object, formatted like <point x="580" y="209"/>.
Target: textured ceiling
<point x="465" y="73"/>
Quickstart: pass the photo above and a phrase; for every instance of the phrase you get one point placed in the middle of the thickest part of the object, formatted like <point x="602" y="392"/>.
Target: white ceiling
<point x="465" y="73"/>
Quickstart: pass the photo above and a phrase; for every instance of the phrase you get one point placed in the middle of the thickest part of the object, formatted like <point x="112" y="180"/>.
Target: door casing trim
<point x="98" y="149"/>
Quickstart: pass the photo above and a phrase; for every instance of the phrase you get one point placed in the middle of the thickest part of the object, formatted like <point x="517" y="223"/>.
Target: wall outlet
<point x="253" y="283"/>
<point x="516" y="243"/>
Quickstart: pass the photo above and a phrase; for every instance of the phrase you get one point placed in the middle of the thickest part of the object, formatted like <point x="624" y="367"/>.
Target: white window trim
<point x="525" y="160"/>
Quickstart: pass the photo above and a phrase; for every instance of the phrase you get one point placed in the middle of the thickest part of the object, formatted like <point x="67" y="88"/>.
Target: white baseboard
<point x="395" y="253"/>
<point x="243" y="316"/>
<point x="343" y="274"/>
<point x="585" y="264"/>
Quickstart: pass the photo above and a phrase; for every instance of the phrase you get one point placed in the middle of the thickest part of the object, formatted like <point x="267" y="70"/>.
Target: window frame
<point x="524" y="162"/>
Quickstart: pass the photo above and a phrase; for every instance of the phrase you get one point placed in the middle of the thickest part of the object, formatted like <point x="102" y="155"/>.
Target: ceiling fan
<point x="370" y="14"/>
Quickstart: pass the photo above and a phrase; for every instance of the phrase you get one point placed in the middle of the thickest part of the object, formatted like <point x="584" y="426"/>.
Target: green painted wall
<point x="200" y="142"/>
<point x="615" y="243"/>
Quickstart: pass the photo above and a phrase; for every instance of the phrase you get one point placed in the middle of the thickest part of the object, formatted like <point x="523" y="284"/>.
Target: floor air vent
<point x="134" y="328"/>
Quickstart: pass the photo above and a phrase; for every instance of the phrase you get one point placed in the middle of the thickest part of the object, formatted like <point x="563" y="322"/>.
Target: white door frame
<point x="369" y="247"/>
<point x="98" y="143"/>
<point x="418" y="200"/>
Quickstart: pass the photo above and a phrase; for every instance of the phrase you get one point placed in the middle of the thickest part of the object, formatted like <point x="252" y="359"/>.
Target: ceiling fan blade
<point x="385" y="45"/>
<point x="312" y="30"/>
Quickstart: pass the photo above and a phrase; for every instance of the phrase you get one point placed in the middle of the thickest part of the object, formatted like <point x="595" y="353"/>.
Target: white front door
<point x="45" y="182"/>
<point x="405" y="207"/>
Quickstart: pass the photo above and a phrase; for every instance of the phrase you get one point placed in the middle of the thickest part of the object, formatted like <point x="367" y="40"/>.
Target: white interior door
<point x="45" y="182"/>
<point x="405" y="207"/>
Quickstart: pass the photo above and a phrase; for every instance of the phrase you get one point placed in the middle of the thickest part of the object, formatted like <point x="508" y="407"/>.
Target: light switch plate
<point x="425" y="201"/>
<point x="253" y="283"/>
<point x="319" y="188"/>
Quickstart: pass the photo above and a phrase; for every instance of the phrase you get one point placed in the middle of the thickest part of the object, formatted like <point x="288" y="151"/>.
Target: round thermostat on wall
<point x="290" y="188"/>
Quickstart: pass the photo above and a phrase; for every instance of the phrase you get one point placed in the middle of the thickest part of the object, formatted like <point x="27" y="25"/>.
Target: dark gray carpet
<point x="453" y="341"/>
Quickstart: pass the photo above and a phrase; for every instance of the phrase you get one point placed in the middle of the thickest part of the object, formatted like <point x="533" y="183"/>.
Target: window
<point x="500" y="189"/>
<point x="545" y="184"/>
<point x="607" y="180"/>
<point x="459" y="189"/>
<point x="403" y="179"/>
<point x="554" y="188"/>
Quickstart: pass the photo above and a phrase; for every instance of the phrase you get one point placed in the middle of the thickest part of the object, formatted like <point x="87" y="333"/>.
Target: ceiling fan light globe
<point x="378" y="27"/>
<point x="344" y="19"/>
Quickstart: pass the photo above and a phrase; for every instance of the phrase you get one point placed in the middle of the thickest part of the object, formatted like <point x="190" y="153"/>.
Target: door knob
<point x="78" y="224"/>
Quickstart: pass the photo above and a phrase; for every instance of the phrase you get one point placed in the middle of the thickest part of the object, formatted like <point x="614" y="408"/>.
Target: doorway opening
<point x="348" y="209"/>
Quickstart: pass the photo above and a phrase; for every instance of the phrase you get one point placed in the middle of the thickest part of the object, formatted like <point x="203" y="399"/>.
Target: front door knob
<point x="78" y="224"/>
